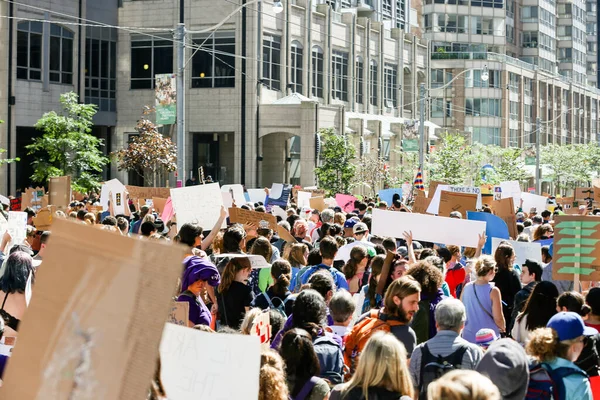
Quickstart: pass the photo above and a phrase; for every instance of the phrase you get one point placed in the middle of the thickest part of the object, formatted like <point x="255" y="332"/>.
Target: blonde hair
<point x="295" y="254"/>
<point x="483" y="265"/>
<point x="382" y="363"/>
<point x="545" y="346"/>
<point x="463" y="384"/>
<point x="339" y="218"/>
<point x="273" y="384"/>
<point x="249" y="320"/>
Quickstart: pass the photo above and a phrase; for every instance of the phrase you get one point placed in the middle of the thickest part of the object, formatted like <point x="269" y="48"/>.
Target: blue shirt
<point x="338" y="278"/>
<point x="577" y="387"/>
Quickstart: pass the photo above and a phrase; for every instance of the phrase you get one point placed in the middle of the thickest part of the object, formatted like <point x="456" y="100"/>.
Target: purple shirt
<point x="199" y="313"/>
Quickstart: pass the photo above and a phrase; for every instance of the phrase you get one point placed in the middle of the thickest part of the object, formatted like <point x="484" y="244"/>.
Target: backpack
<point x="433" y="367"/>
<point x="331" y="359"/>
<point x="281" y="308"/>
<point x="359" y="336"/>
<point x="547" y="383"/>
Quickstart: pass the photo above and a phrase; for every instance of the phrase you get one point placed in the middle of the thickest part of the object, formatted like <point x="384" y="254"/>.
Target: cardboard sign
<point x="523" y="250"/>
<point x="533" y="201"/>
<point x="33" y="198"/>
<point x="79" y="294"/>
<point x="433" y="187"/>
<point x="179" y="313"/>
<point x="505" y="209"/>
<point x="60" y="191"/>
<point x="576" y="253"/>
<point x="387" y="195"/>
<point x="200" y="204"/>
<point x="511" y="189"/>
<point x="261" y="328"/>
<point x="494" y="227"/>
<point x="142" y="193"/>
<point x="252" y="218"/>
<point x="582" y="193"/>
<point x="434" y="206"/>
<point x="421" y="204"/>
<point x="428" y="228"/>
<point x="159" y="204"/>
<point x="94" y="209"/>
<point x="117" y="189"/>
<point x="345" y="202"/>
<point x="43" y="220"/>
<point x="285" y="235"/>
<point x="461" y="202"/>
<point x="596" y="194"/>
<point x="200" y="365"/>
<point x="318" y="203"/>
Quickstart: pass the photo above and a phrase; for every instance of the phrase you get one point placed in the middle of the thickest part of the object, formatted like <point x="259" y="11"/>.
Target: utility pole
<point x="180" y="40"/>
<point x="422" y="127"/>
<point x="538" y="172"/>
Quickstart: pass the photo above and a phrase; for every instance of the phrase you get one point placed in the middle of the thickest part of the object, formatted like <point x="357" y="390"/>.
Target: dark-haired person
<point x="43" y="245"/>
<point x="19" y="265"/>
<point x="234" y="296"/>
<point x="328" y="248"/>
<point x="198" y="274"/>
<point x="302" y="366"/>
<point x="147" y="229"/>
<point x="191" y="234"/>
<point x="372" y="299"/>
<point x="531" y="274"/>
<point x="278" y="294"/>
<point x="538" y="309"/>
<point x="506" y="280"/>
<point x="593" y="300"/>
<point x="355" y="267"/>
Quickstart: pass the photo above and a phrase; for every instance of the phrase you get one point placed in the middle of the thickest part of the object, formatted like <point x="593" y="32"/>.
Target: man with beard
<point x="401" y="302"/>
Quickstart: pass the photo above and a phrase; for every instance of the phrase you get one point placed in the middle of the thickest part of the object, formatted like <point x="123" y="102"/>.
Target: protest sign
<point x="256" y="261"/>
<point x="596" y="194"/>
<point x="421" y="204"/>
<point x="576" y="252"/>
<point x="32" y="198"/>
<point x="387" y="195"/>
<point x="251" y="218"/>
<point x="505" y="209"/>
<point x="584" y="193"/>
<point x="227" y="199"/>
<point x="15" y="204"/>
<point x="433" y="188"/>
<point x="428" y="228"/>
<point x="511" y="189"/>
<point x="317" y="203"/>
<point x="345" y="202"/>
<point x="531" y="201"/>
<point x="237" y="193"/>
<point x="3" y="227"/>
<point x="17" y="226"/>
<point x="257" y="195"/>
<point x="200" y="365"/>
<point x="523" y="250"/>
<point x="285" y="234"/>
<point x="159" y="204"/>
<point x="43" y="219"/>
<point x="141" y="193"/>
<point x="279" y="212"/>
<point x="279" y="195"/>
<point x="60" y="191"/>
<point x="179" y="313"/>
<point x="94" y="209"/>
<point x="303" y="199"/>
<point x="261" y="328"/>
<point x="569" y="205"/>
<point x="200" y="204"/>
<point x="117" y="189"/>
<point x="78" y="298"/>
<point x="461" y="202"/>
<point x="494" y="227"/>
<point x="434" y="206"/>
<point x="168" y="212"/>
<point x="4" y="200"/>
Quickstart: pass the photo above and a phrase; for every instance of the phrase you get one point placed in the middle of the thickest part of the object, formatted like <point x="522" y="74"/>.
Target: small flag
<point x="419" y="181"/>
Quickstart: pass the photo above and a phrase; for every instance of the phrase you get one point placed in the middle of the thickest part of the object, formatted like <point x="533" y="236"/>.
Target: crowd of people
<point x="357" y="316"/>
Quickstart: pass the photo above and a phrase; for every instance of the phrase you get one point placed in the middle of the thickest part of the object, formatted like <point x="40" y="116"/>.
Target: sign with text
<point x="251" y="218"/>
<point x="434" y="206"/>
<point x="345" y="202"/>
<point x="117" y="189"/>
<point x="179" y="313"/>
<point x="511" y="189"/>
<point x="523" y="250"/>
<point x="165" y="94"/>
<point x="461" y="202"/>
<point x="200" y="204"/>
<point x="142" y="193"/>
<point x="421" y="204"/>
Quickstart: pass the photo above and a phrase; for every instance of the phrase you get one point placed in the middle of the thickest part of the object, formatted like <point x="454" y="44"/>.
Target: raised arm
<point x="480" y="244"/>
<point x="408" y="236"/>
<point x="211" y="236"/>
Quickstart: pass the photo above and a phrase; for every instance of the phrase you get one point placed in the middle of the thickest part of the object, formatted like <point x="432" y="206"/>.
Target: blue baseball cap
<point x="569" y="325"/>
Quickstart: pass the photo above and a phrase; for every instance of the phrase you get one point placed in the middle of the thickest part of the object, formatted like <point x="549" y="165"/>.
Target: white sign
<point x="279" y="212"/>
<point x="434" y="206"/>
<point x="227" y="199"/>
<point x="511" y="189"/>
<point x="533" y="201"/>
<point x="523" y="250"/>
<point x="428" y="228"/>
<point x="200" y="365"/>
<point x="237" y="193"/>
<point x="117" y="189"/>
<point x="304" y="199"/>
<point x="257" y="195"/>
<point x="17" y="226"/>
<point x="3" y="227"/>
<point x="200" y="204"/>
<point x="256" y="261"/>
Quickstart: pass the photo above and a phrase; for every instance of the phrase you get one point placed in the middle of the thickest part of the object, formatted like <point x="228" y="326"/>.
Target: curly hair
<point x="273" y="384"/>
<point x="463" y="385"/>
<point x="545" y="346"/>
<point x="429" y="277"/>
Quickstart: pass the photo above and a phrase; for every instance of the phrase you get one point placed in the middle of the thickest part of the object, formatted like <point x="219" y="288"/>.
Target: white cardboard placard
<point x="304" y="199"/>
<point x="434" y="206"/>
<point x="533" y="200"/>
<point x="237" y="192"/>
<point x="257" y="195"/>
<point x="523" y="250"/>
<point x="511" y="189"/>
<point x="199" y="204"/>
<point x="118" y="190"/>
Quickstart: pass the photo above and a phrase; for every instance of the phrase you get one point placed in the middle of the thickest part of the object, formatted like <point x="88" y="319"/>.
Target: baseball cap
<point x="520" y="215"/>
<point x="351" y="222"/>
<point x="456" y="214"/>
<point x="360" y="227"/>
<point x="485" y="336"/>
<point x="569" y="325"/>
<point x="371" y="252"/>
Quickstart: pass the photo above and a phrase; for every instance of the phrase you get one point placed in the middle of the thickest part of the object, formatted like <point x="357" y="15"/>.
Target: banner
<point x="576" y="250"/>
<point x="165" y="99"/>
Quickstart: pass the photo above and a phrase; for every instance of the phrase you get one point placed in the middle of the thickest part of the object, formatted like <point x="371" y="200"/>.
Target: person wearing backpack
<point x="446" y="351"/>
<point x="277" y="296"/>
<point x="328" y="249"/>
<point x="381" y="374"/>
<point x="302" y="366"/>
<point x="401" y="302"/>
<point x="506" y="364"/>
<point x="555" y="348"/>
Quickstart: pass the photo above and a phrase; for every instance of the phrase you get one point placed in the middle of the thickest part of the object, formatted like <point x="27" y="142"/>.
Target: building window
<point x="29" y="50"/>
<point x="483" y="107"/>
<point x="272" y="62"/>
<point x="317" y="71"/>
<point x="400" y="13"/>
<point x="297" y="53"/>
<point x="386" y="6"/>
<point x="61" y="54"/>
<point x="101" y="69"/>
<point x="213" y="65"/>
<point x="513" y="138"/>
<point x="373" y="97"/>
<point x="486" y="135"/>
<point x="149" y="56"/>
<point x="339" y="78"/>
<point x="437" y="78"/>
<point x="437" y="108"/>
<point x="360" y="71"/>
<point x="514" y="110"/>
<point x="449" y="109"/>
<point x="473" y="79"/>
<point x="391" y="85"/>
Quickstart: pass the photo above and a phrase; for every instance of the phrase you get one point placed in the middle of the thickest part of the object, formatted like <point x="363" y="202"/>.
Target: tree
<point x="511" y="165"/>
<point x="406" y="170"/>
<point x="67" y="147"/>
<point x="149" y="154"/>
<point x="337" y="171"/>
<point x="372" y="173"/>
<point x="568" y="164"/>
<point x="447" y="164"/>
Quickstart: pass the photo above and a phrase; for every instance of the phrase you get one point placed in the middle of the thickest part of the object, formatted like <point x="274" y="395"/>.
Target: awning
<point x="386" y="122"/>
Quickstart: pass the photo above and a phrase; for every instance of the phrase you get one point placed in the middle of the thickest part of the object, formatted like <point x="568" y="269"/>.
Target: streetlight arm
<point x="220" y="24"/>
<point x="462" y="73"/>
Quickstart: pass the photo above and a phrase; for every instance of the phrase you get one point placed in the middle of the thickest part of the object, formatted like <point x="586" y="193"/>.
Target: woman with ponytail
<point x="235" y="296"/>
<point x="278" y="295"/>
<point x="355" y="267"/>
<point x="372" y="299"/>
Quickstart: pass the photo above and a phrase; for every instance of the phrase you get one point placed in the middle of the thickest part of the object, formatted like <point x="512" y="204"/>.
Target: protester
<point x="198" y="273"/>
<point x="446" y="347"/>
<point x="531" y="274"/>
<point x="483" y="301"/>
<point x="272" y="377"/>
<point x="260" y="279"/>
<point x="593" y="300"/>
<point x="302" y="366"/>
<point x="17" y="270"/>
<point x="354" y="268"/>
<point x="381" y="373"/>
<point x="455" y="272"/>
<point x="277" y="296"/>
<point x="539" y="308"/>
<point x="485" y="337"/>
<point x="296" y="254"/>
<point x="506" y="280"/>
<point x="506" y="364"/>
<point x="328" y="249"/>
<point x="234" y="296"/>
<point x="249" y="319"/>
<point x="372" y="299"/>
<point x="561" y="285"/>
<point x="341" y="309"/>
<point x="463" y="385"/>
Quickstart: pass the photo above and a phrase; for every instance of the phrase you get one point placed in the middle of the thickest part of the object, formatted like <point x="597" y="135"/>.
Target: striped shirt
<point x="444" y="344"/>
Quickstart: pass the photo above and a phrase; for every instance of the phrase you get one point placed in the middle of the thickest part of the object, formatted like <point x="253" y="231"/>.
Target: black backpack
<point x="433" y="367"/>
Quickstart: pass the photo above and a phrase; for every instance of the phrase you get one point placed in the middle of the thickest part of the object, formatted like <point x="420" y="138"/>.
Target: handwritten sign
<point x="421" y="204"/>
<point x="33" y="198"/>
<point x="262" y="328"/>
<point x="461" y="202"/>
<point x="17" y="226"/>
<point x="237" y="193"/>
<point x="345" y="202"/>
<point x="179" y="313"/>
<point x="247" y="217"/>
<point x="142" y="193"/>
<point x="317" y="203"/>
<point x="200" y="365"/>
<point x="200" y="204"/>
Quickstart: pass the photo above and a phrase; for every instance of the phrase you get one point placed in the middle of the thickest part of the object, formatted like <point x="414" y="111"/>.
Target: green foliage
<point x="447" y="163"/>
<point x="67" y="147"/>
<point x="571" y="165"/>
<point x="406" y="170"/>
<point x="372" y="174"/>
<point x="509" y="164"/>
<point x="337" y="171"/>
